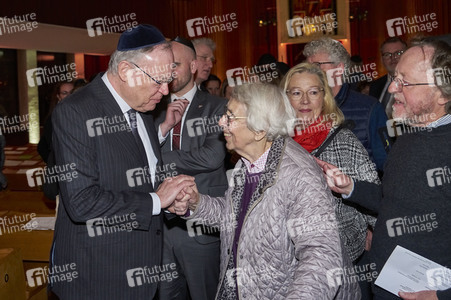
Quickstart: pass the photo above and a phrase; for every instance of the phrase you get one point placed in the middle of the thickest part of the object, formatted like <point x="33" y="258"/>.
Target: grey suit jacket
<point x="202" y="151"/>
<point x="111" y="258"/>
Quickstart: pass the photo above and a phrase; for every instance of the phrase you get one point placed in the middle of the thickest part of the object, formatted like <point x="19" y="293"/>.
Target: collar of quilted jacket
<point x="267" y="178"/>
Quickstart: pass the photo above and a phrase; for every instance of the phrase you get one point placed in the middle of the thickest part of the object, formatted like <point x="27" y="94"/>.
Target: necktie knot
<point x="132" y="116"/>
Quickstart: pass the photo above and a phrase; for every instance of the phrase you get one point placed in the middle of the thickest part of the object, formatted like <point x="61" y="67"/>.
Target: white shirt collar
<point x="120" y="101"/>
<point x="188" y="96"/>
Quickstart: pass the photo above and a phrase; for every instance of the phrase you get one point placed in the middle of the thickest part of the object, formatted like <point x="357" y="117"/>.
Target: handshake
<point x="178" y="194"/>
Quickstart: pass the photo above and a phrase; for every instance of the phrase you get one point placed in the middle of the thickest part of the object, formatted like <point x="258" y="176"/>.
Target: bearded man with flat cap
<point x="109" y="225"/>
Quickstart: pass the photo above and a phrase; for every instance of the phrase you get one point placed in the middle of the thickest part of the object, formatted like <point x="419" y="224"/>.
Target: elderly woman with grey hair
<point x="279" y="236"/>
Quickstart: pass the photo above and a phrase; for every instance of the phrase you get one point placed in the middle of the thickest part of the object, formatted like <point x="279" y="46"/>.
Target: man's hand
<point x="337" y="180"/>
<point x="187" y="198"/>
<point x="171" y="188"/>
<point x="180" y="205"/>
<point x="421" y="295"/>
<point x="174" y="114"/>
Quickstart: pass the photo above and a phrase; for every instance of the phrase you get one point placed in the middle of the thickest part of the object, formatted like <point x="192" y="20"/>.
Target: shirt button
<point x="158" y="232"/>
<point x="241" y="256"/>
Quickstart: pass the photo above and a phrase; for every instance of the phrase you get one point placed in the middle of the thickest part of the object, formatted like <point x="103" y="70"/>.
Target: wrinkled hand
<point x="186" y="199"/>
<point x="180" y="205"/>
<point x="171" y="188"/>
<point x="336" y="180"/>
<point x="174" y="114"/>
<point x="193" y="196"/>
<point x="421" y="295"/>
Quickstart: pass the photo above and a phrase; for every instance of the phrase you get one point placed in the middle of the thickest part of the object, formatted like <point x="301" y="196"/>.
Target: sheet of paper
<point x="409" y="272"/>
<point x="41" y="223"/>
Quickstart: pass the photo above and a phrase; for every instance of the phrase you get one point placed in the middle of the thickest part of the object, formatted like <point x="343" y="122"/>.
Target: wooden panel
<point x="12" y="277"/>
<point x="34" y="244"/>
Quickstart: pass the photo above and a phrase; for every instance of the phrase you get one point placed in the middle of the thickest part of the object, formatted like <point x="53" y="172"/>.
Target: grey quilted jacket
<point x="289" y="242"/>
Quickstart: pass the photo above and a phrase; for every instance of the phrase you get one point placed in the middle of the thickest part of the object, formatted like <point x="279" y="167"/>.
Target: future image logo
<point x="262" y="73"/>
<point x="114" y="24"/>
<point x="111" y="224"/>
<point x="200" y="126"/>
<point x="439" y="76"/>
<point x="439" y="278"/>
<point x="411" y="224"/>
<point x="438" y="176"/>
<point x="397" y="127"/>
<point x="58" y="173"/>
<point x="145" y="275"/>
<point x="18" y="123"/>
<point x="361" y="273"/>
<point x="199" y="26"/>
<point x="138" y="176"/>
<point x="409" y="25"/>
<point x="46" y="275"/>
<point x="311" y="25"/>
<point x="159" y="74"/>
<point x="334" y="77"/>
<point x="51" y="75"/>
<point x="16" y="24"/>
<point x="109" y="124"/>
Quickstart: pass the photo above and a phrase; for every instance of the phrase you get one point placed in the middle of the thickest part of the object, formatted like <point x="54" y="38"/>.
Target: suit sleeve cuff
<point x="350" y="194"/>
<point x="156" y="204"/>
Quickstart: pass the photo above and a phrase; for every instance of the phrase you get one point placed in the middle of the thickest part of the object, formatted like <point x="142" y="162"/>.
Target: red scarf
<point x="313" y="136"/>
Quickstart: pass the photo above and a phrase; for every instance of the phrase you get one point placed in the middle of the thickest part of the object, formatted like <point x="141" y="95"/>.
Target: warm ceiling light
<point x="46" y="57"/>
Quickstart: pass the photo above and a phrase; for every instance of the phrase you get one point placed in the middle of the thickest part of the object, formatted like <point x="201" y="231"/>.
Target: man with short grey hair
<point x="205" y="49"/>
<point x="391" y="50"/>
<point x="366" y="112"/>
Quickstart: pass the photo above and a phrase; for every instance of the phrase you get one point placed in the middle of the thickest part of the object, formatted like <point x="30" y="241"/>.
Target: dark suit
<point x="103" y="255"/>
<point x="377" y="87"/>
<point x="201" y="155"/>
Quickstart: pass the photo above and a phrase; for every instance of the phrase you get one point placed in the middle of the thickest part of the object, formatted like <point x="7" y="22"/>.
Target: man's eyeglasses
<point x="159" y="82"/>
<point x="207" y="59"/>
<point x="296" y="94"/>
<point x="230" y="118"/>
<point x="319" y="63"/>
<point x="400" y="84"/>
<point x="397" y="54"/>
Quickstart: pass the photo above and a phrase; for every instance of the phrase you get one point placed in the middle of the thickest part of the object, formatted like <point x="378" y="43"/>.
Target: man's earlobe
<point x="193" y="67"/>
<point x="124" y="71"/>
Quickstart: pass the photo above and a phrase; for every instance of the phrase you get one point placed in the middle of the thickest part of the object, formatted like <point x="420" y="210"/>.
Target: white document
<point x="407" y="271"/>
